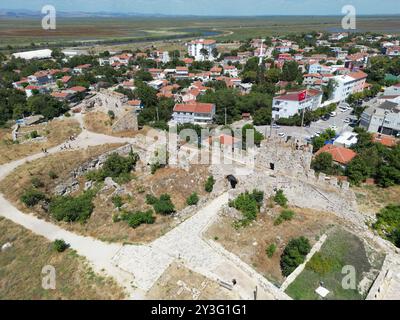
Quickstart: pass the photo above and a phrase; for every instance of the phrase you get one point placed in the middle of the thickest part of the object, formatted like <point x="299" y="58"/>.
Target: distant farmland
<point x="21" y="32"/>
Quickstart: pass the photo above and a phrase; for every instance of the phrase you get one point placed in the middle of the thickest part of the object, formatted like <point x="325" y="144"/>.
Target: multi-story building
<point x="346" y="85"/>
<point x="202" y="49"/>
<point x="383" y="118"/>
<point x="195" y="112"/>
<point x="290" y="104"/>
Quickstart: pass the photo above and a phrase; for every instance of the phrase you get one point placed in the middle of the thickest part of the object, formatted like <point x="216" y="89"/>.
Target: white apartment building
<point x="196" y="113"/>
<point x="346" y="85"/>
<point x="290" y="104"/>
<point x="195" y="49"/>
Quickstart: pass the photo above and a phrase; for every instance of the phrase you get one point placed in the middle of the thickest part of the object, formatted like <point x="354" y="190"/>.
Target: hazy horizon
<point x="212" y="8"/>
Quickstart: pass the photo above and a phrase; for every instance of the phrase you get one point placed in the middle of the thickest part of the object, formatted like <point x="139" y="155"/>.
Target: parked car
<point x="281" y="134"/>
<point x="347" y="120"/>
<point x="333" y="127"/>
<point x="333" y="114"/>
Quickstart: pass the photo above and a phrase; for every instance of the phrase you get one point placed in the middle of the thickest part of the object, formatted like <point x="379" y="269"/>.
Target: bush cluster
<point x="72" y="209"/>
<point x="162" y="205"/>
<point x="294" y="255"/>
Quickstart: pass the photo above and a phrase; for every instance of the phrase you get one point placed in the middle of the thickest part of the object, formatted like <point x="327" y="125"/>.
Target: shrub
<point x="111" y="114"/>
<point x="210" y="184"/>
<point x="193" y="199"/>
<point x="37" y="183"/>
<point x="280" y="198"/>
<point x="34" y="134"/>
<point x="285" y="215"/>
<point x="117" y="165"/>
<point x="164" y="205"/>
<point x="72" y="209"/>
<point x="154" y="167"/>
<point x="32" y="197"/>
<point x="271" y="250"/>
<point x="60" y="245"/>
<point x="117" y="201"/>
<point x="249" y="205"/>
<point x="53" y="175"/>
<point x="294" y="255"/>
<point x="135" y="219"/>
<point x="150" y="199"/>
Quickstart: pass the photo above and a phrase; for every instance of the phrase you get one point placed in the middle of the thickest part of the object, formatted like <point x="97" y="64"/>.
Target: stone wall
<point x="290" y="158"/>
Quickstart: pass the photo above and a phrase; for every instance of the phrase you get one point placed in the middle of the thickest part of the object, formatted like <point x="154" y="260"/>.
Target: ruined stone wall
<point x="106" y="100"/>
<point x="290" y="158"/>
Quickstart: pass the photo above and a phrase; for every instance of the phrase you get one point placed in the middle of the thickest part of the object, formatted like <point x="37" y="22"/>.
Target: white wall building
<point x="197" y="113"/>
<point x="346" y="85"/>
<point x="195" y="49"/>
<point x="288" y="105"/>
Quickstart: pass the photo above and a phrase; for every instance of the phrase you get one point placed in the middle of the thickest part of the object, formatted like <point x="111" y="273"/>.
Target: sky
<point x="212" y="7"/>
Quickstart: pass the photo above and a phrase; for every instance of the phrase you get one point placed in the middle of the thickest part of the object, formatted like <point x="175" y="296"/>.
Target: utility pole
<point x="158" y="116"/>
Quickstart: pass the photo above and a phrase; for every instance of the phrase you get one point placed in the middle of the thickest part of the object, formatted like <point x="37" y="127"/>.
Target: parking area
<point x="337" y="122"/>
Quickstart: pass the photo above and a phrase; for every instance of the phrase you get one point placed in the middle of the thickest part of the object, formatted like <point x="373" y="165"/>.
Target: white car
<point x="333" y="127"/>
<point x="347" y="120"/>
<point x="281" y="134"/>
<point x="333" y="114"/>
<point x="275" y="126"/>
<point x="318" y="133"/>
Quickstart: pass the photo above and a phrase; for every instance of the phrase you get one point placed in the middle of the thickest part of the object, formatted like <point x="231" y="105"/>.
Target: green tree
<point x="294" y="255"/>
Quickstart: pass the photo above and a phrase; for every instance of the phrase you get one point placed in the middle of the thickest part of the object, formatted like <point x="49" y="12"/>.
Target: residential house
<point x="340" y="155"/>
<point x="231" y="71"/>
<point x="81" y="68"/>
<point x="182" y="73"/>
<point x="195" y="112"/>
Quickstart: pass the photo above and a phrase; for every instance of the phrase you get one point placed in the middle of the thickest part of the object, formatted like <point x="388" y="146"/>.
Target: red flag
<point x="302" y="95"/>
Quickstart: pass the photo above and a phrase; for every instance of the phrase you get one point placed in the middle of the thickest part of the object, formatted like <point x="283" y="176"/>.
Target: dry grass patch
<point x="55" y="132"/>
<point x="61" y="164"/>
<point x="250" y="243"/>
<point x="178" y="183"/>
<point x="371" y="199"/>
<point x="100" y="122"/>
<point x="21" y="266"/>
<point x="180" y="283"/>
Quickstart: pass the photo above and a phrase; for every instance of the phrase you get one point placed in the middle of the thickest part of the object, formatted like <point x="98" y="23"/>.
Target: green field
<point x="21" y="32"/>
<point x="340" y="249"/>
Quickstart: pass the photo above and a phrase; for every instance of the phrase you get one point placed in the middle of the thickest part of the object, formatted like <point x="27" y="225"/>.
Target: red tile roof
<point x="386" y="140"/>
<point x="339" y="154"/>
<point x="195" y="107"/>
<point x="358" y="75"/>
<point x="78" y="89"/>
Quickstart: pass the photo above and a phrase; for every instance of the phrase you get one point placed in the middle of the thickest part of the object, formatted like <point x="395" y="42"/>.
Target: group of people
<point x="67" y="145"/>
